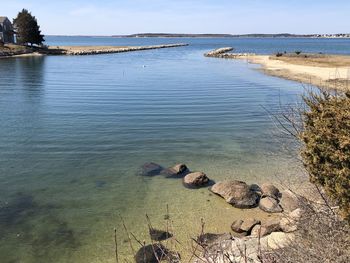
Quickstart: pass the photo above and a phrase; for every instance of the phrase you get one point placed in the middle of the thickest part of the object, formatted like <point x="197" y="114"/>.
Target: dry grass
<point x="322" y="237"/>
<point x="315" y="60"/>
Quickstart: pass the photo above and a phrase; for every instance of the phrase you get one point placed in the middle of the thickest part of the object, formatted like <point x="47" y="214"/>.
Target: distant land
<point x="282" y="35"/>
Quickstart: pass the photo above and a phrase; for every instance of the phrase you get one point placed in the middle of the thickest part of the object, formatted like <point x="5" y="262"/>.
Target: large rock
<point x="269" y="226"/>
<point x="151" y="169"/>
<point x="289" y="223"/>
<point x="270" y="205"/>
<point x="289" y="201"/>
<point x="228" y="250"/>
<point x="236" y="226"/>
<point x="249" y="223"/>
<point x="268" y="189"/>
<point x="236" y="193"/>
<point x="244" y="227"/>
<point x="196" y="179"/>
<point x="255" y="232"/>
<point x="277" y="240"/>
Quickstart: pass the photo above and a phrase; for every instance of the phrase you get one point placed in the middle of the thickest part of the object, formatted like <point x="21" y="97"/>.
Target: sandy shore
<point x="327" y="71"/>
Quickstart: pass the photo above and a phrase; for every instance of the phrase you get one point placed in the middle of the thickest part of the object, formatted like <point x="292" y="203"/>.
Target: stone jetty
<point x="224" y="53"/>
<point x="95" y="50"/>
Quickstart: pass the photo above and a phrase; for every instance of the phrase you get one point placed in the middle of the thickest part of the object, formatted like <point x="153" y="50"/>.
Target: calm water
<point x="75" y="130"/>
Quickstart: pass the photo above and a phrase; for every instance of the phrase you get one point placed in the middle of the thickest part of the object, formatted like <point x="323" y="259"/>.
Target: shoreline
<point x="321" y="70"/>
<point x="79" y="50"/>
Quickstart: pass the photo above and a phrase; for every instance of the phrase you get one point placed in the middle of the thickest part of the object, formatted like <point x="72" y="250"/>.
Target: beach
<point x="326" y="71"/>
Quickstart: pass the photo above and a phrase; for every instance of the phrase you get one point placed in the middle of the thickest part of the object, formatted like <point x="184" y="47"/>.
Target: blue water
<point x="245" y="45"/>
<point x="75" y="130"/>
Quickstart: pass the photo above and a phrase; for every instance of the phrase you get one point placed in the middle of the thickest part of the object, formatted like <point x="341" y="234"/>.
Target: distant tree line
<point x="27" y="29"/>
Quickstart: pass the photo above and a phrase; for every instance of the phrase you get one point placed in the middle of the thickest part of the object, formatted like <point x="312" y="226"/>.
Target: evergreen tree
<point x="27" y="29"/>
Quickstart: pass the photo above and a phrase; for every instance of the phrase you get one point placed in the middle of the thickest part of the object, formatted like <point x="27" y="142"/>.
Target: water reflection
<point x="31" y="75"/>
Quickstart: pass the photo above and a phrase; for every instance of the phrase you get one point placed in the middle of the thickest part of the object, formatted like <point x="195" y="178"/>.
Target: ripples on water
<point x="75" y="130"/>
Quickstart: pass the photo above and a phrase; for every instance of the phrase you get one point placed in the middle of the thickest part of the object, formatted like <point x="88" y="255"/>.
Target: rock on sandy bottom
<point x="236" y="193"/>
<point x="197" y="179"/>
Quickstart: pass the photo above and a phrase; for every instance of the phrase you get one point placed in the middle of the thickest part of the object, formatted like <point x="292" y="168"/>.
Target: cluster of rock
<point x="267" y="197"/>
<point x="189" y="179"/>
<point x="248" y="234"/>
<point x="96" y="51"/>
<point x="252" y="234"/>
<point x="223" y="53"/>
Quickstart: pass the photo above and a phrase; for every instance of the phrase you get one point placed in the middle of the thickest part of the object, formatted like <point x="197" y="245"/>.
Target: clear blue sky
<point x="107" y="17"/>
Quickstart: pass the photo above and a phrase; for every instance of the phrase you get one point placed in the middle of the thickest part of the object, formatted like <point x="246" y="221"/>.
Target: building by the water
<point x="7" y="34"/>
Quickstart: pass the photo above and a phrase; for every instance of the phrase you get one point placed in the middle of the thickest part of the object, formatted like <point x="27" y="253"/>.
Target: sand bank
<point x="327" y="71"/>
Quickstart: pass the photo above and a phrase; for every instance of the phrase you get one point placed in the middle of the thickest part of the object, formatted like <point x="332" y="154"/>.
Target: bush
<point x="326" y="149"/>
<point x="298" y="52"/>
<point x="279" y="54"/>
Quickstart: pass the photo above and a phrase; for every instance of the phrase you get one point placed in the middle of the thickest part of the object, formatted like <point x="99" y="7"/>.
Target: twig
<point x="129" y="239"/>
<point x="116" y="245"/>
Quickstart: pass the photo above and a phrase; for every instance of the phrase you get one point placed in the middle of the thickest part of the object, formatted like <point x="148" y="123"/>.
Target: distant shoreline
<point x="165" y="35"/>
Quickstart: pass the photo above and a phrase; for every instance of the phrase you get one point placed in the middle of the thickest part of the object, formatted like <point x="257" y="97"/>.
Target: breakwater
<point x="95" y="50"/>
<point x="224" y="53"/>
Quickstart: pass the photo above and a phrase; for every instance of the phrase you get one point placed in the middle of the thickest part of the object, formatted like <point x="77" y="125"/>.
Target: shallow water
<point x="75" y="130"/>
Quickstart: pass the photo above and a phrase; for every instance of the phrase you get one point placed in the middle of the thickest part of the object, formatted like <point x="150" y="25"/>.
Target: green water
<point x="74" y="132"/>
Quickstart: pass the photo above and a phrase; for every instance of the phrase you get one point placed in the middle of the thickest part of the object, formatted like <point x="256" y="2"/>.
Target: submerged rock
<point x="179" y="170"/>
<point x="151" y="253"/>
<point x="270" y="205"/>
<point x="159" y="235"/>
<point x="236" y="193"/>
<point x="197" y="179"/>
<point x="210" y="239"/>
<point x="151" y="169"/>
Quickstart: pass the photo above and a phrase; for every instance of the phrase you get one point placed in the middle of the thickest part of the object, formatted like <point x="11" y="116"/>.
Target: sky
<point x="117" y="17"/>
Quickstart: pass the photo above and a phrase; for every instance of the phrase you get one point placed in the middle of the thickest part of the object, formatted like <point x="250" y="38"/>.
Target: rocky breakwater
<point x="224" y="53"/>
<point x="95" y="50"/>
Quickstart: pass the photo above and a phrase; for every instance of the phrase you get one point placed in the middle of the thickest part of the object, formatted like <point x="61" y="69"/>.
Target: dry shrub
<point x="326" y="145"/>
<point x="321" y="237"/>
